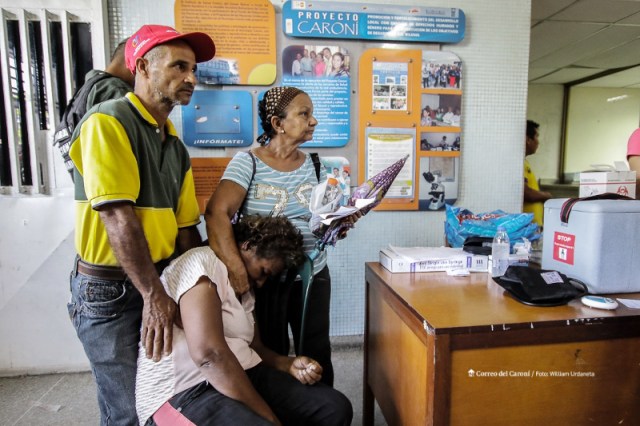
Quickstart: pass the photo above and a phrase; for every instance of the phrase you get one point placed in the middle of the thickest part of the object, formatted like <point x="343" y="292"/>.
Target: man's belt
<point x="111" y="273"/>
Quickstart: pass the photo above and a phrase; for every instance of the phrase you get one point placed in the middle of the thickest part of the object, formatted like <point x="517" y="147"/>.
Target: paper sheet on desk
<point x="345" y="211"/>
<point x="630" y="303"/>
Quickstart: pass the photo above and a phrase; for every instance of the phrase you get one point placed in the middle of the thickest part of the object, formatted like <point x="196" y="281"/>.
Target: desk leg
<point x="367" y="406"/>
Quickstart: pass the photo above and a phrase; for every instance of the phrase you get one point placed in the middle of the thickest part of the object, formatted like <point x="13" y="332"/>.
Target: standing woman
<point x="282" y="184"/>
<point x="319" y="65"/>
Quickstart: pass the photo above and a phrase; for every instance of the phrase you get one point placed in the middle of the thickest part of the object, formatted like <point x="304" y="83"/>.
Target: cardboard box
<point x="599" y="244"/>
<point x="462" y="260"/>
<point x="617" y="179"/>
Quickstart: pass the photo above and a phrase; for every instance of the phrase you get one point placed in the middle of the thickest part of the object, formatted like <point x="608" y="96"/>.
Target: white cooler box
<point x="600" y="244"/>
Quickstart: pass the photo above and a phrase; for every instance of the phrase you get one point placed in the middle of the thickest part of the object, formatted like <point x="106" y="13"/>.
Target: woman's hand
<point x="239" y="279"/>
<point x="305" y="370"/>
<point x="350" y="222"/>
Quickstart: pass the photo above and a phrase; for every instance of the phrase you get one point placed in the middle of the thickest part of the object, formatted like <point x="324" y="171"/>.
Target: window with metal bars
<point x="44" y="56"/>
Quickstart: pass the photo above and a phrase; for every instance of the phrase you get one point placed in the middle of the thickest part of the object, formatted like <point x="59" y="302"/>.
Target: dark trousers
<point x="279" y="304"/>
<point x="291" y="401"/>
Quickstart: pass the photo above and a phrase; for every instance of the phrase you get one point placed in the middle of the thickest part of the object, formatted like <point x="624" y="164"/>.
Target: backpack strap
<point x="76" y="108"/>
<point x="316" y="164"/>
<point x="253" y="171"/>
<point x="238" y="214"/>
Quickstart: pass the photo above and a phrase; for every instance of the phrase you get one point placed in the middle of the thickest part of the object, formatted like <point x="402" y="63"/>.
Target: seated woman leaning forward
<point x="219" y="373"/>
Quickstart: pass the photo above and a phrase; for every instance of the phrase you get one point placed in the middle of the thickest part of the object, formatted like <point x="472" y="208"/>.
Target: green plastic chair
<point x="306" y="275"/>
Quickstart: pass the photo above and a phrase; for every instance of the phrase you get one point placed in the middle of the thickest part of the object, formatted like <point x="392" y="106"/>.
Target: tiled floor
<point x="69" y="399"/>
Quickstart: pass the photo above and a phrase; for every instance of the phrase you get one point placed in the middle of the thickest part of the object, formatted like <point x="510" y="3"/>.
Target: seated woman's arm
<point x="302" y="368"/>
<point x="201" y="314"/>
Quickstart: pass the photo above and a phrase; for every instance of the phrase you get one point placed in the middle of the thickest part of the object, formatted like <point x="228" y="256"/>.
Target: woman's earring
<point x="281" y="130"/>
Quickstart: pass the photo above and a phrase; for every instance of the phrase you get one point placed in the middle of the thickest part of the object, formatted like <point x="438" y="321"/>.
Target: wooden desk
<point x="443" y="350"/>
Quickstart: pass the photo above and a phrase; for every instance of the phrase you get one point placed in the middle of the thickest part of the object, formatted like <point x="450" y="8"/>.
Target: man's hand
<point x="158" y="315"/>
<point x="305" y="370"/>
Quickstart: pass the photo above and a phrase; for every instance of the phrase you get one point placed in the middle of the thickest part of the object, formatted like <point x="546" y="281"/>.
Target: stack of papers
<point x="431" y="259"/>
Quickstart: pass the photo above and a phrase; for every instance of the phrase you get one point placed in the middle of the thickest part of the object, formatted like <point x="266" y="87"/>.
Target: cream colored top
<point x="156" y="382"/>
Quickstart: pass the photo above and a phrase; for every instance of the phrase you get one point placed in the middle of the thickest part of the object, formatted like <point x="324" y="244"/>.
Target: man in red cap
<point x="135" y="211"/>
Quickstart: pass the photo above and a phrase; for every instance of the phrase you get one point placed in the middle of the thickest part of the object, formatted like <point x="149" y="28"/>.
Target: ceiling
<point x="595" y="43"/>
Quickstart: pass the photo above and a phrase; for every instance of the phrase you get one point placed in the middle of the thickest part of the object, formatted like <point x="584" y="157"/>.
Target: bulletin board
<point x="418" y="90"/>
<point x="380" y="105"/>
<point x="387" y="129"/>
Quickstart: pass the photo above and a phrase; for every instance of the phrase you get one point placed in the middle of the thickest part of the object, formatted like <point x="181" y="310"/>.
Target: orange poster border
<point x="404" y="119"/>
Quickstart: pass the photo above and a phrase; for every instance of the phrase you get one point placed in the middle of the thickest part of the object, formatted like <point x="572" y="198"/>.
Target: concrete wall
<point x="600" y="122"/>
<point x="36" y="247"/>
<point x="544" y="106"/>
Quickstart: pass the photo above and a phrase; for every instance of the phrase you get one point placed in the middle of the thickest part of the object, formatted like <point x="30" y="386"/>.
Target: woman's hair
<point x="274" y="237"/>
<point x="274" y="104"/>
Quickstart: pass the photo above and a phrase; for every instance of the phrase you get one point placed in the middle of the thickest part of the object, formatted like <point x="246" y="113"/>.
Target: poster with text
<point x="217" y="118"/>
<point x="323" y="72"/>
<point x="244" y="34"/>
<point x="385" y="146"/>
<point x="385" y="22"/>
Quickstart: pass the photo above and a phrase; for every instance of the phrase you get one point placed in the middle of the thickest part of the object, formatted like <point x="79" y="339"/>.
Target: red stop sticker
<point x="564" y="247"/>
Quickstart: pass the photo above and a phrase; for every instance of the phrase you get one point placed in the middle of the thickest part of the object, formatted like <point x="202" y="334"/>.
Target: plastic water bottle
<point x="500" y="249"/>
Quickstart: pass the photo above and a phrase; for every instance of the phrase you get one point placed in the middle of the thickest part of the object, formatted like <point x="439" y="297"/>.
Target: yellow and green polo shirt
<point x="119" y="156"/>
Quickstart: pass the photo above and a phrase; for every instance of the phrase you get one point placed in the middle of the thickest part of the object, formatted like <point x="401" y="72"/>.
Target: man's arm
<point x="533" y="196"/>
<point x="130" y="247"/>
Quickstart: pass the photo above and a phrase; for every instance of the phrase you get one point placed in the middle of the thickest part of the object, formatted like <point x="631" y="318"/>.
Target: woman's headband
<point x="276" y="101"/>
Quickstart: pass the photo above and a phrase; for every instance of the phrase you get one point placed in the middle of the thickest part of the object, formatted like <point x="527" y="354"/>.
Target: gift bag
<point x="326" y="197"/>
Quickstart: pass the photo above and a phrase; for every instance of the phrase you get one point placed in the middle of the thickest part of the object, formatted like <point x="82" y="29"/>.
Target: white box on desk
<point x="598" y="245"/>
<point x="396" y="263"/>
<point x="615" y="180"/>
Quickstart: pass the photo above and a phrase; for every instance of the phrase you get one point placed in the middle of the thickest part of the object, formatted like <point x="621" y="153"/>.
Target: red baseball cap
<point x="150" y="36"/>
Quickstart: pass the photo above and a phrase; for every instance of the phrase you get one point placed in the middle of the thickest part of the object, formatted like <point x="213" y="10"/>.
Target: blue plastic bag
<point x="463" y="223"/>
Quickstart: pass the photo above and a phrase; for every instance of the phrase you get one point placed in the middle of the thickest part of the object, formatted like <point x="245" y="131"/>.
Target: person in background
<point x="425" y="118"/>
<point x="112" y="83"/>
<point x="326" y="57"/>
<point x="319" y="65"/>
<point x="448" y="116"/>
<point x="306" y="64"/>
<point x="116" y="86"/>
<point x="296" y="66"/>
<point x="633" y="157"/>
<point x="135" y="210"/>
<point x="220" y="373"/>
<point x="338" y="69"/>
<point x="533" y="198"/>
<point x="281" y="186"/>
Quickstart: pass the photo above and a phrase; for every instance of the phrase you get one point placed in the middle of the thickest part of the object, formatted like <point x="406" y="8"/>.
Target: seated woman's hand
<point x="305" y="370"/>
